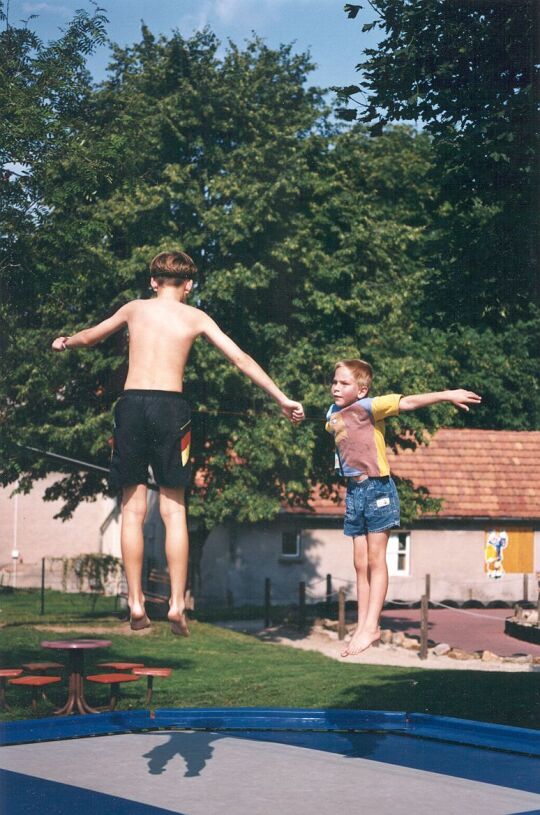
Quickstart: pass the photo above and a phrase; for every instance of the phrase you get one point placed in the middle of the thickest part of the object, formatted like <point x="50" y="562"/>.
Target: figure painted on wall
<point x="496" y="543"/>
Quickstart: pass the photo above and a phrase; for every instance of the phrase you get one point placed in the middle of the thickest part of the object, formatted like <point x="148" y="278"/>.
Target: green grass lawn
<point x="217" y="667"/>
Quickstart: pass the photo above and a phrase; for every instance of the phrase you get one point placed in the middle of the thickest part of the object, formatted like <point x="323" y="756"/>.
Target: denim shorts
<point x="371" y="506"/>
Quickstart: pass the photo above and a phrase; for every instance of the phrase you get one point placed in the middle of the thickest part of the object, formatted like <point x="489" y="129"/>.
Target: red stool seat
<point x="5" y="674"/>
<point x="121" y="666"/>
<point x="41" y="666"/>
<point x="35" y="682"/>
<point x="114" y="680"/>
<point x="150" y="673"/>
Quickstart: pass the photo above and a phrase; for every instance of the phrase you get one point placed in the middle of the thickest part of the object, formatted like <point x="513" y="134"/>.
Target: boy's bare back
<point x="161" y="333"/>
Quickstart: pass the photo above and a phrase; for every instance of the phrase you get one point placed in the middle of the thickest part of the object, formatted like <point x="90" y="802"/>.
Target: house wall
<point x="39" y="534"/>
<point x="236" y="562"/>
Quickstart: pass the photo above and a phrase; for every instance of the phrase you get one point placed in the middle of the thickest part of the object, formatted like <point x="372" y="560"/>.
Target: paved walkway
<point x="473" y="629"/>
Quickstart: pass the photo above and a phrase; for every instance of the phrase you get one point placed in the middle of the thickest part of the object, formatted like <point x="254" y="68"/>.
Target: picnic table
<point x="75" y="651"/>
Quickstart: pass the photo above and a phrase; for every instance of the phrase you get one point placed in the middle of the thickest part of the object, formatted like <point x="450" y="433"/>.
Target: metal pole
<point x="526" y="588"/>
<point x="341" y="614"/>
<point x="424" y="628"/>
<point x="267" y="601"/>
<point x="328" y="594"/>
<point x="42" y="606"/>
<point x="302" y="604"/>
<point x="15" y="551"/>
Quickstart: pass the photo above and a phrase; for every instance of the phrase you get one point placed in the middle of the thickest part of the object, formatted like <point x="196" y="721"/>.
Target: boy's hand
<point x="59" y="344"/>
<point x="292" y="410"/>
<point x="462" y="398"/>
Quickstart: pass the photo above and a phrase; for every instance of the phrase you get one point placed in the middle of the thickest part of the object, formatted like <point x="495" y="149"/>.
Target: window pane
<point x="290" y="544"/>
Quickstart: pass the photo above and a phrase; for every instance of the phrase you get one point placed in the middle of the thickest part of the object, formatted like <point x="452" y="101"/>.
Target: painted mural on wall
<point x="496" y="543"/>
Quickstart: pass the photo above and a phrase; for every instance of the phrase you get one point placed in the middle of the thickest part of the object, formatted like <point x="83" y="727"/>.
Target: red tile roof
<point x="477" y="473"/>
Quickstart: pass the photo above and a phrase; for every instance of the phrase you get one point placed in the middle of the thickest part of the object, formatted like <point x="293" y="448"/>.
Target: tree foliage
<point x="468" y="72"/>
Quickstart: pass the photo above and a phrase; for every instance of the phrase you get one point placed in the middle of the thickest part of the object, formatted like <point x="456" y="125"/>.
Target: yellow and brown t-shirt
<point x="358" y="431"/>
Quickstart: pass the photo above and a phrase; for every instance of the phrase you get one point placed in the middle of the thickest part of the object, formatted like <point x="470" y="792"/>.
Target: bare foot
<point x="138" y="623"/>
<point x="178" y="623"/>
<point x="137" y="617"/>
<point x="360" y="641"/>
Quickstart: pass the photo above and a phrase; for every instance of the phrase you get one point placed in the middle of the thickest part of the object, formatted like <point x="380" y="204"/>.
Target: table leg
<point x="70" y="702"/>
<point x="3" y="683"/>
<point x="75" y="701"/>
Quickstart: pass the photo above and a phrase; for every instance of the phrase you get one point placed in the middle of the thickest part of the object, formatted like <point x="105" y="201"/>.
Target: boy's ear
<point x="363" y="391"/>
<point x="154" y="284"/>
<point x="188" y="287"/>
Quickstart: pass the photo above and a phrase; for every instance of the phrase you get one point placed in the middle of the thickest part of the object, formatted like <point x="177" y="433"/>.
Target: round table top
<point x="75" y="644"/>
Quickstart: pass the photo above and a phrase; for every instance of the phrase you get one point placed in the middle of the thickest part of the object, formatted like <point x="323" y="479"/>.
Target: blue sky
<point x="320" y="26"/>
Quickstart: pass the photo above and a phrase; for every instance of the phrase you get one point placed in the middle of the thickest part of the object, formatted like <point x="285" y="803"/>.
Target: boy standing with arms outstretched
<point x="152" y="418"/>
<point x="372" y="504"/>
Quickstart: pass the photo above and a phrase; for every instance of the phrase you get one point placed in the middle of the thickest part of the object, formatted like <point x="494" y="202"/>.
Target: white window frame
<point x="393" y="552"/>
<point x="298" y="540"/>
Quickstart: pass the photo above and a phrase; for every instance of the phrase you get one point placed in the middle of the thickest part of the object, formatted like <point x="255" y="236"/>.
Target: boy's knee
<point x="376" y="558"/>
<point x="360" y="563"/>
<point x="135" y="511"/>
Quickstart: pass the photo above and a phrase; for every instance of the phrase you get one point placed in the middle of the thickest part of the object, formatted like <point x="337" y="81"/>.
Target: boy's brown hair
<point x="173" y="268"/>
<point x="361" y="370"/>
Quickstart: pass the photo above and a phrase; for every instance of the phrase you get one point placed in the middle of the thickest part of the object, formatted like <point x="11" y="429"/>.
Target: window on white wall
<point x="290" y="544"/>
<point x="398" y="554"/>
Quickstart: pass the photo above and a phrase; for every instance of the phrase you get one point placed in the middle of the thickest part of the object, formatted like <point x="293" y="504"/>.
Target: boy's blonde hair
<point x="173" y="268"/>
<point x="361" y="370"/>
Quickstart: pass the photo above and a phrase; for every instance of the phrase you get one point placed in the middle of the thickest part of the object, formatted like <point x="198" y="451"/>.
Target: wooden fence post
<point x="424" y="628"/>
<point x="341" y="614"/>
<point x="328" y="594"/>
<point x="42" y="604"/>
<point x="302" y="604"/>
<point x="267" y="601"/>
<point x="526" y="588"/>
<point x="428" y="586"/>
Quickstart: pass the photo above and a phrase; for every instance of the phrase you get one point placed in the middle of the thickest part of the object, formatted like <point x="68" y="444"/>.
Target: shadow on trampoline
<point x="194" y="748"/>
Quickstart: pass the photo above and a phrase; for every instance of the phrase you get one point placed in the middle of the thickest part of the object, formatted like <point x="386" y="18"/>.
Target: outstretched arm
<point x="91" y="336"/>
<point x="292" y="410"/>
<point x="460" y="398"/>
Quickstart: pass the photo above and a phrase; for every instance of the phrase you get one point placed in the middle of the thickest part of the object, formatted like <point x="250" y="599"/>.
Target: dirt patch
<point x="123" y="629"/>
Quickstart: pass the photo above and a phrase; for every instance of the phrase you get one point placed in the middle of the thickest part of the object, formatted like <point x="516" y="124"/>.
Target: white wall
<point x="238" y="562"/>
<point x="39" y="534"/>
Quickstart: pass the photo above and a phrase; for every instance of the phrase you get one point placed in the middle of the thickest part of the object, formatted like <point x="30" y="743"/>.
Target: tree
<point x="468" y="72"/>
<point x="43" y="92"/>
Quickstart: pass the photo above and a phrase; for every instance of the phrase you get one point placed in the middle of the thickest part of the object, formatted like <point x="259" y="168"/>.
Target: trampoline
<point x="251" y="761"/>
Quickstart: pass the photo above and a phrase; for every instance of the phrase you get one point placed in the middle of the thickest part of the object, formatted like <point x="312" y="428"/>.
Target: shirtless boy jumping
<point x="152" y="418"/>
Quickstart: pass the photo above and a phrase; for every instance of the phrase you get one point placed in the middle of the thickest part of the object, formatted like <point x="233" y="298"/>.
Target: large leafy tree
<point x="44" y="89"/>
<point x="468" y="72"/>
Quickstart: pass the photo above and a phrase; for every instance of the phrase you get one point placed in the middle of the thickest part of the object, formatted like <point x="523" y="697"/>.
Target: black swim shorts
<point x="151" y="428"/>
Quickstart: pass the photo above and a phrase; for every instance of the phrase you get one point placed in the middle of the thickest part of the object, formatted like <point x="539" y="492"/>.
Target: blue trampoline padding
<point x="479" y="734"/>
<point x="74" y="727"/>
<point x="28" y="795"/>
<point x="459" y="731"/>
